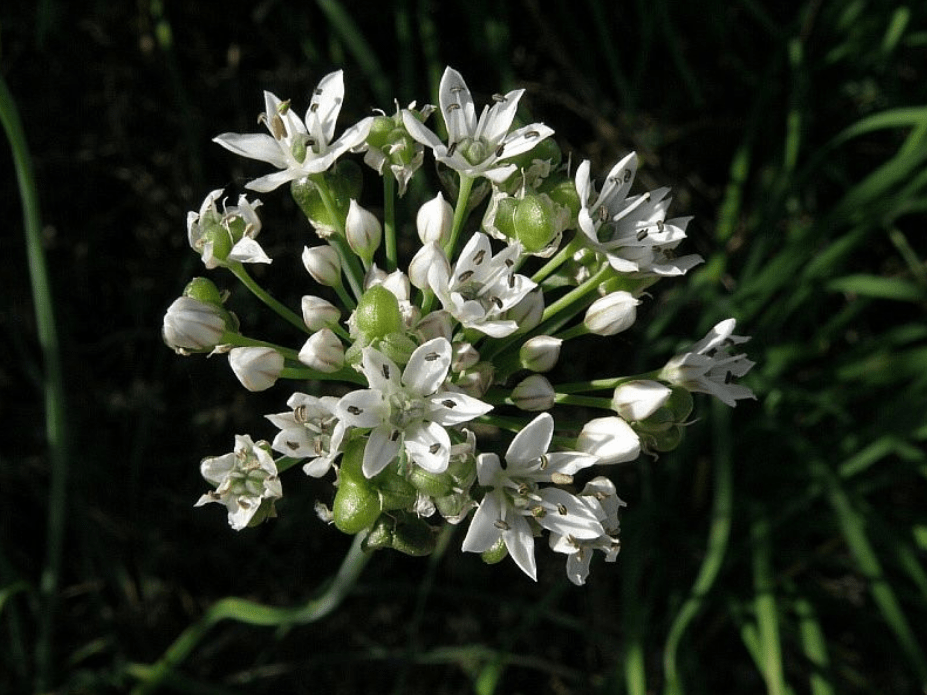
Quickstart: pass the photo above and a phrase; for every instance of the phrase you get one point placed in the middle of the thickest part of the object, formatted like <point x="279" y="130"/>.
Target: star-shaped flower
<point x="409" y="409"/>
<point x="298" y="147"/>
<point x="476" y="147"/>
<point x="633" y="233"/>
<point x="709" y="367"/>
<point x="246" y="481"/>
<point x="310" y="430"/>
<point x="516" y="503"/>
<point x="226" y="236"/>
<point x="481" y="287"/>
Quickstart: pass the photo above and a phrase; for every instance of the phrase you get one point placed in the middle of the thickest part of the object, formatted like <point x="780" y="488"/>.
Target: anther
<point x="499" y="97"/>
<point x="501" y="525"/>
<point x="293" y="446"/>
<point x="394" y="435"/>
<point x="497" y="302"/>
<point x="432" y="356"/>
<point x="448" y="403"/>
<point x="354" y="410"/>
<point x="532" y="134"/>
<point x="561" y="509"/>
<point x="464" y="276"/>
<point x="627" y="175"/>
<point x="452" y="149"/>
<point x="500" y="149"/>
<point x="545" y="462"/>
<point x="478" y="258"/>
<point x="434" y="448"/>
<point x="452" y="107"/>
<point x="386" y="371"/>
<point x="641" y="235"/>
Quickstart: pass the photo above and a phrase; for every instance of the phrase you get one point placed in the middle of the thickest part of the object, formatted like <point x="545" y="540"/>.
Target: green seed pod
<point x="356" y="506"/>
<point x="547" y="149"/>
<point x="680" y="404"/>
<point x="203" y="290"/>
<point x="563" y="192"/>
<point x="504" y="219"/>
<point x="381" y="127"/>
<point x="380" y="536"/>
<point x="534" y="221"/>
<point x="413" y="536"/>
<point x="401" y="147"/>
<point x="309" y="200"/>
<point x="432" y="484"/>
<point x="395" y="491"/>
<point x="377" y="313"/>
<point x="495" y="554"/>
<point x="668" y="439"/>
<point x="397" y="346"/>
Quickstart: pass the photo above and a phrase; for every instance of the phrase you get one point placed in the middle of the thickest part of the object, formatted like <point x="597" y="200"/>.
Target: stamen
<point x="499" y="97"/>
<point x="501" y="525"/>
<point x="532" y="134"/>
<point x="452" y="149"/>
<point x="434" y="448"/>
<point x="292" y="445"/>
<point x="561" y="509"/>
<point x="385" y="371"/>
<point x="500" y="149"/>
<point x="497" y="302"/>
<point x="641" y="235"/>
<point x="478" y="258"/>
<point x="452" y="107"/>
<point x="464" y="276"/>
<point x="627" y="175"/>
<point x="394" y="435"/>
<point x="729" y="377"/>
<point x="354" y="410"/>
<point x="545" y="462"/>
<point x="561" y="478"/>
<point x="314" y="107"/>
<point x="448" y="403"/>
<point x="432" y="356"/>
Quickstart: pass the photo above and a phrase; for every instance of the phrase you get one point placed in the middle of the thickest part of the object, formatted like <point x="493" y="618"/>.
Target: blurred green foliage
<point x="782" y="547"/>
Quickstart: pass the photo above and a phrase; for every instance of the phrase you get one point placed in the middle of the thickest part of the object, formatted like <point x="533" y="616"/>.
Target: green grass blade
<point x="814" y="645"/>
<point x="348" y="31"/>
<point x="56" y="427"/>
<point x="765" y="606"/>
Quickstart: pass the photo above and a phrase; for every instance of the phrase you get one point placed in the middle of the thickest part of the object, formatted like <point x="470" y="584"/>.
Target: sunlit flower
<point x="312" y="430"/>
<point x="611" y="439"/>
<point x="516" y="503"/>
<point x="408" y="410"/>
<point x="477" y="147"/>
<point x="632" y="233"/>
<point x="481" y="287"/>
<point x="298" y="147"/>
<point x="192" y="326"/>
<point x="246" y="481"/>
<point x="709" y="367"/>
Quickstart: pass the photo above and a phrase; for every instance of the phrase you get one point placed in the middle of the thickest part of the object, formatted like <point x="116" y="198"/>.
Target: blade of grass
<point x="853" y="527"/>
<point x="56" y="425"/>
<point x="765" y="605"/>
<point x="718" y="536"/>
<point x="814" y="645"/>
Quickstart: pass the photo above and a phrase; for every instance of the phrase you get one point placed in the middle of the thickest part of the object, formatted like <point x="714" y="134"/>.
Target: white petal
<point x="524" y="139"/>
<point x="326" y="105"/>
<point x="254" y="146"/>
<point x="532" y="442"/>
<point x="569" y="462"/>
<point x="429" y="446"/>
<point x="381" y="372"/>
<point x="421" y="133"/>
<point x="499" y="118"/>
<point x="609" y="438"/>
<point x="247" y="250"/>
<point x="488" y="468"/>
<point x="382" y="447"/>
<point x="579" y="520"/>
<point x="483" y="534"/>
<point x="449" y="408"/>
<point x="520" y="543"/>
<point x="428" y="367"/>
<point x="456" y="105"/>
<point x="362" y="408"/>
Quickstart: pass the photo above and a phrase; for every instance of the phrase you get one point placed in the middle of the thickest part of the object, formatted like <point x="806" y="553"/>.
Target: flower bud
<point x="257" y="368"/>
<point x="434" y="220"/>
<point x="363" y="231"/>
<point x="534" y="393"/>
<point x="413" y="536"/>
<point x="637" y="400"/>
<point x="319" y="313"/>
<point x="528" y="312"/>
<point x="204" y="290"/>
<point x="323" y="264"/>
<point x="477" y="380"/>
<point x="193" y="326"/>
<point x="611" y="314"/>
<point x="323" y="351"/>
<point x="540" y="353"/>
<point x="436" y="324"/>
<point x="609" y="438"/>
<point x="424" y="259"/>
<point x="464" y="356"/>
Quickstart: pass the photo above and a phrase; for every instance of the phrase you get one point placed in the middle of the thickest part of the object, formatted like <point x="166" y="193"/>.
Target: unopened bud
<point x="323" y="351"/>
<point x="609" y="438"/>
<point x="363" y="231"/>
<point x="529" y="311"/>
<point x="611" y="314"/>
<point x="434" y="220"/>
<point x="319" y="313"/>
<point x="637" y="400"/>
<point x="323" y="264"/>
<point x="534" y="393"/>
<point x="540" y="353"/>
<point x="193" y="326"/>
<point x="423" y="261"/>
<point x="257" y="368"/>
<point x="463" y="356"/>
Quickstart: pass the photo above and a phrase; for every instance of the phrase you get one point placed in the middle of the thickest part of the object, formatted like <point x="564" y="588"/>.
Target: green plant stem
<point x="349" y="264"/>
<point x="238" y="270"/>
<point x="251" y="613"/>
<point x="601" y="384"/>
<point x="389" y="221"/>
<point x="583" y="401"/>
<point x="559" y="259"/>
<point x="346" y="299"/>
<point x="56" y="424"/>
<point x="239" y="340"/>
<point x="306" y="374"/>
<point x="460" y="214"/>
<point x="579" y="292"/>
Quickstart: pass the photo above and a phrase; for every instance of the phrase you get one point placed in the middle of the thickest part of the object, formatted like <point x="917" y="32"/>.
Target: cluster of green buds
<point x="424" y="383"/>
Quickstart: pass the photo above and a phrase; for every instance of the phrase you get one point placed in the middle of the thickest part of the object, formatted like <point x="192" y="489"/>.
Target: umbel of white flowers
<point x="426" y="382"/>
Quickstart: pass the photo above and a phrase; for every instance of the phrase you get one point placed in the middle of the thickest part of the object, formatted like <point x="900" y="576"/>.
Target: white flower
<point x="257" y="368"/>
<point x="298" y="148"/>
<point x="516" y="501"/>
<point x="611" y="314"/>
<point x="633" y="233"/>
<point x="476" y="147"/>
<point x="433" y="220"/>
<point x="408" y="411"/>
<point x="363" y="231"/>
<point x="534" y="392"/>
<point x="540" y="353"/>
<point x="481" y="287"/>
<point x="639" y="399"/>
<point x="244" y="479"/>
<point x="323" y="263"/>
<point x="192" y="326"/>
<point x="310" y="430"/>
<point x="319" y="313"/>
<point x="708" y="366"/>
<point x="226" y="236"/>
<point x="611" y="439"/>
<point x="600" y="495"/>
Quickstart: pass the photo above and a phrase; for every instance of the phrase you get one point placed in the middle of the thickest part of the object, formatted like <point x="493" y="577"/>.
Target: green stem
<point x="346" y="299"/>
<point x="239" y="340"/>
<point x="56" y="425"/>
<point x="307" y="374"/>
<point x="573" y="332"/>
<point x="601" y="384"/>
<point x="389" y="221"/>
<point x="559" y="259"/>
<point x="585" y="401"/>
<point x="460" y="214"/>
<point x="238" y="270"/>
<point x="576" y="293"/>
<point x="251" y="613"/>
<point x="349" y="263"/>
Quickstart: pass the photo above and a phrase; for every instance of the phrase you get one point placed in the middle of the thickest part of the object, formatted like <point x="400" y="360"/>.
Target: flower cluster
<point x="442" y="353"/>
